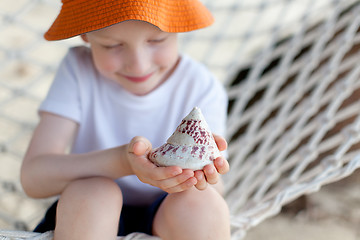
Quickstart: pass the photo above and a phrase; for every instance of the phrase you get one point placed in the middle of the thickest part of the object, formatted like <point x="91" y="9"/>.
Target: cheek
<point x="105" y="63"/>
<point x="166" y="57"/>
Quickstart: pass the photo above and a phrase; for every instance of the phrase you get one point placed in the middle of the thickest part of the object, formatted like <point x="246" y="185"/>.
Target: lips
<point x="139" y="79"/>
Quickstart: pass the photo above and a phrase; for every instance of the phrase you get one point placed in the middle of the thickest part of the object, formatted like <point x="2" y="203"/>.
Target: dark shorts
<point x="132" y="219"/>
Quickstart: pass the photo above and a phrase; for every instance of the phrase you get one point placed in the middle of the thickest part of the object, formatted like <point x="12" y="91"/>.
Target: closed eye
<point x="159" y="40"/>
<point x="112" y="46"/>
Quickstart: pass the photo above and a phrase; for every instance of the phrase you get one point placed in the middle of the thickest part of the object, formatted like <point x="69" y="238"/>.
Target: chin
<point x="143" y="91"/>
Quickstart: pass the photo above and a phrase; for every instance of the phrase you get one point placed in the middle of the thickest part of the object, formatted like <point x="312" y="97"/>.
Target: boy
<point x="109" y="103"/>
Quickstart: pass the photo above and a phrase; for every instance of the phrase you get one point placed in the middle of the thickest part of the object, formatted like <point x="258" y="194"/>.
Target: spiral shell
<point x="191" y="146"/>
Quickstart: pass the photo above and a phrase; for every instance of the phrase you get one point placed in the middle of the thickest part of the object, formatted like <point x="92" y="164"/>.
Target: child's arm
<point x="47" y="168"/>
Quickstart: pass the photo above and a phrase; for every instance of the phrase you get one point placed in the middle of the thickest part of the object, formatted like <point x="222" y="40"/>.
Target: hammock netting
<point x="291" y="69"/>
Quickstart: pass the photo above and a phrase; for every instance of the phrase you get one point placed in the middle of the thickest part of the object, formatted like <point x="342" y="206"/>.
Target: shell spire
<point x="191" y="146"/>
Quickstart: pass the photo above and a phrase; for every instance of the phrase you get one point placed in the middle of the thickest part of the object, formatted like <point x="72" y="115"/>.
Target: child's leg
<point x="193" y="214"/>
<point x="89" y="209"/>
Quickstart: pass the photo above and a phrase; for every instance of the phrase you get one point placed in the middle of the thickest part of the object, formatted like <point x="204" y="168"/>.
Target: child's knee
<point x="91" y="203"/>
<point x="207" y="198"/>
<point x="206" y="201"/>
<point x="96" y="189"/>
<point x="181" y="213"/>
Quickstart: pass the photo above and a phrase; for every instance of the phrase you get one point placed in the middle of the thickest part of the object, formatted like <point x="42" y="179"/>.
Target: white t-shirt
<point x="110" y="116"/>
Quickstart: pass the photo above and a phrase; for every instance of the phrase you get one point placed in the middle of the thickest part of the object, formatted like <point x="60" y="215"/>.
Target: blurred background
<point x="245" y="34"/>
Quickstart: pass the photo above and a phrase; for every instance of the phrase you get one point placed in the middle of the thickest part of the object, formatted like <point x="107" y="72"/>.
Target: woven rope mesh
<point x="291" y="70"/>
<point x="296" y="125"/>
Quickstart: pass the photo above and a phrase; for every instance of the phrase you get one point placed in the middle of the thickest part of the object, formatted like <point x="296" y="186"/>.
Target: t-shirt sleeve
<point x="63" y="96"/>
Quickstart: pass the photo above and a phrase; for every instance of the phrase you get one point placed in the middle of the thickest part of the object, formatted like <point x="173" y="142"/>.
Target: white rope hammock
<point x="294" y="119"/>
<point x="298" y="123"/>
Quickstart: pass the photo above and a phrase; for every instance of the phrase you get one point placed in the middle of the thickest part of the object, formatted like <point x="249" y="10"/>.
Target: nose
<point x="138" y="62"/>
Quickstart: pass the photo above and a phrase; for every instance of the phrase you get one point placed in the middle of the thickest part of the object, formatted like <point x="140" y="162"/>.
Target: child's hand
<point x="170" y="179"/>
<point x="210" y="173"/>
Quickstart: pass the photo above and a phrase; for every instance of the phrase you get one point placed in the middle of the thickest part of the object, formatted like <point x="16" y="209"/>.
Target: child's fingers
<point x="220" y="142"/>
<point x="211" y="174"/>
<point x="139" y="146"/>
<point x="221" y="165"/>
<point x="172" y="183"/>
<point x="189" y="183"/>
<point x="201" y="180"/>
<point x="163" y="173"/>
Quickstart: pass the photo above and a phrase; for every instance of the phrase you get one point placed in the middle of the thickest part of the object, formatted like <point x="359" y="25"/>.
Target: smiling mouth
<point x="139" y="79"/>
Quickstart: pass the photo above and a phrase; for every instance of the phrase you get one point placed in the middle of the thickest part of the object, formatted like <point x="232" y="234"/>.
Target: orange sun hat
<point x="81" y="16"/>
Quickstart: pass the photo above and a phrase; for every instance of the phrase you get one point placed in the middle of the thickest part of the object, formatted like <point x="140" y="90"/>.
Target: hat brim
<point x="79" y="17"/>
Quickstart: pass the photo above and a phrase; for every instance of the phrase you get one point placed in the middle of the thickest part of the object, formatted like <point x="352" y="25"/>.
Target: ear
<point x="84" y="38"/>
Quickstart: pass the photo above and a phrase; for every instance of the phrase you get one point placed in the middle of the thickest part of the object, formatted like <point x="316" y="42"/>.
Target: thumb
<point x="220" y="142"/>
<point x="140" y="146"/>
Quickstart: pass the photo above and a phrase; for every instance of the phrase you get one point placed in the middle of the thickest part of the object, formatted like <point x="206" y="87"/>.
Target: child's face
<point x="136" y="54"/>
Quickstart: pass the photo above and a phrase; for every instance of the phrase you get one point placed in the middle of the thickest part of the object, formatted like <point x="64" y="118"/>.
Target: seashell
<point x="191" y="146"/>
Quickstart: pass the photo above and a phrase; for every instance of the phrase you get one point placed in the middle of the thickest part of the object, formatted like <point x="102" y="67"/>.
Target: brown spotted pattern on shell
<point x="191" y="146"/>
